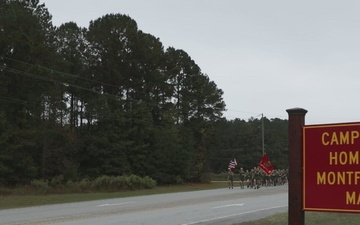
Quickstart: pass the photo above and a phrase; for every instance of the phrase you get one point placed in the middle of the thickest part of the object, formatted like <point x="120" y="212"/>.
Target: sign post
<point x="295" y="150"/>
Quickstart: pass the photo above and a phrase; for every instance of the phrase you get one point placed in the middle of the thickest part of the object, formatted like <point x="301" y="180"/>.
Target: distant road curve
<point x="209" y="207"/>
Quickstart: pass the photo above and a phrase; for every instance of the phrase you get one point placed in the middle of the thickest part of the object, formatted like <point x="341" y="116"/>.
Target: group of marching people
<point x="256" y="178"/>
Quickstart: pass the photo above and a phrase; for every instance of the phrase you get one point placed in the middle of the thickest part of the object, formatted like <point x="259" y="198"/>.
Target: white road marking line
<point x="224" y="206"/>
<point x="232" y="215"/>
<point x="115" y="204"/>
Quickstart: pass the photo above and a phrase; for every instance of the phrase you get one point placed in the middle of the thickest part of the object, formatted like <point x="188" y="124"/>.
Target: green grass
<point x="332" y="218"/>
<point x="10" y="200"/>
<point x="311" y="218"/>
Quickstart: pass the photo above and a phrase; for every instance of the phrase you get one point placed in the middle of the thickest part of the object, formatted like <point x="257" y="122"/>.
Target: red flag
<point x="266" y="165"/>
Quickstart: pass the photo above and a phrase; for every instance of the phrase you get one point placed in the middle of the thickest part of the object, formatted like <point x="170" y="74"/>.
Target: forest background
<point x="110" y="100"/>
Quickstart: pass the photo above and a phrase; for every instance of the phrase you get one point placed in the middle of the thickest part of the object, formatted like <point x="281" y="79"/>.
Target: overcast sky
<point x="266" y="55"/>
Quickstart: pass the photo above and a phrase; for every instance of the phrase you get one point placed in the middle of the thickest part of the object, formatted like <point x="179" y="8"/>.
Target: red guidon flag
<point x="266" y="165"/>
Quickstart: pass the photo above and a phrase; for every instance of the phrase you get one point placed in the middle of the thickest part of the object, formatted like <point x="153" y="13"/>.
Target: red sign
<point x="331" y="167"/>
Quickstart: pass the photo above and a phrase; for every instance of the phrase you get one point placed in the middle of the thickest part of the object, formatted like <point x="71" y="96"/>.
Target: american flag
<point x="232" y="164"/>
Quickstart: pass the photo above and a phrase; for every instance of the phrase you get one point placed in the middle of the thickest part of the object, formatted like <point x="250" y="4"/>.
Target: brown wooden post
<point x="296" y="122"/>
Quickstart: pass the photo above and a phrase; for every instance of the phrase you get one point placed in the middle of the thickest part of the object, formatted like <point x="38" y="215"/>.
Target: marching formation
<point x="261" y="176"/>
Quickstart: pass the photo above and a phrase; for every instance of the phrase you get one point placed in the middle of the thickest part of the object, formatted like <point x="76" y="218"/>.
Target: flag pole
<point x="262" y="131"/>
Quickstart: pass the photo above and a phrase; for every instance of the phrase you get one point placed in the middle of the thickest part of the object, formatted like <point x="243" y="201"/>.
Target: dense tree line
<point x="244" y="141"/>
<point x="110" y="100"/>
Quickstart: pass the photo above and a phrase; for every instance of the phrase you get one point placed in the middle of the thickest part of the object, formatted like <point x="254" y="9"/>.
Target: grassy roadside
<point x="311" y="218"/>
<point x="20" y="200"/>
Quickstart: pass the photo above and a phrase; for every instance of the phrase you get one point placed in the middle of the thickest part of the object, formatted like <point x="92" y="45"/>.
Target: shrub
<point x="131" y="182"/>
<point x="57" y="181"/>
<point x="85" y="184"/>
<point x="71" y="186"/>
<point x="41" y="186"/>
<point x="148" y="182"/>
<point x="119" y="182"/>
<point x="134" y="182"/>
<point x="102" y="183"/>
<point x="178" y="180"/>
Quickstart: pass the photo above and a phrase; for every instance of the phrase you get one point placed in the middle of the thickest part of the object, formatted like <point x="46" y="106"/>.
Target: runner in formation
<point x="262" y="176"/>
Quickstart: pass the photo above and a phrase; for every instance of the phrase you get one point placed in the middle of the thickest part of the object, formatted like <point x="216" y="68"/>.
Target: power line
<point x="253" y="113"/>
<point x="19" y="72"/>
<point x="66" y="84"/>
<point x="61" y="73"/>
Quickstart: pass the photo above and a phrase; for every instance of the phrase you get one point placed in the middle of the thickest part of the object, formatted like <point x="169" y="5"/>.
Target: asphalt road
<point x="208" y="207"/>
